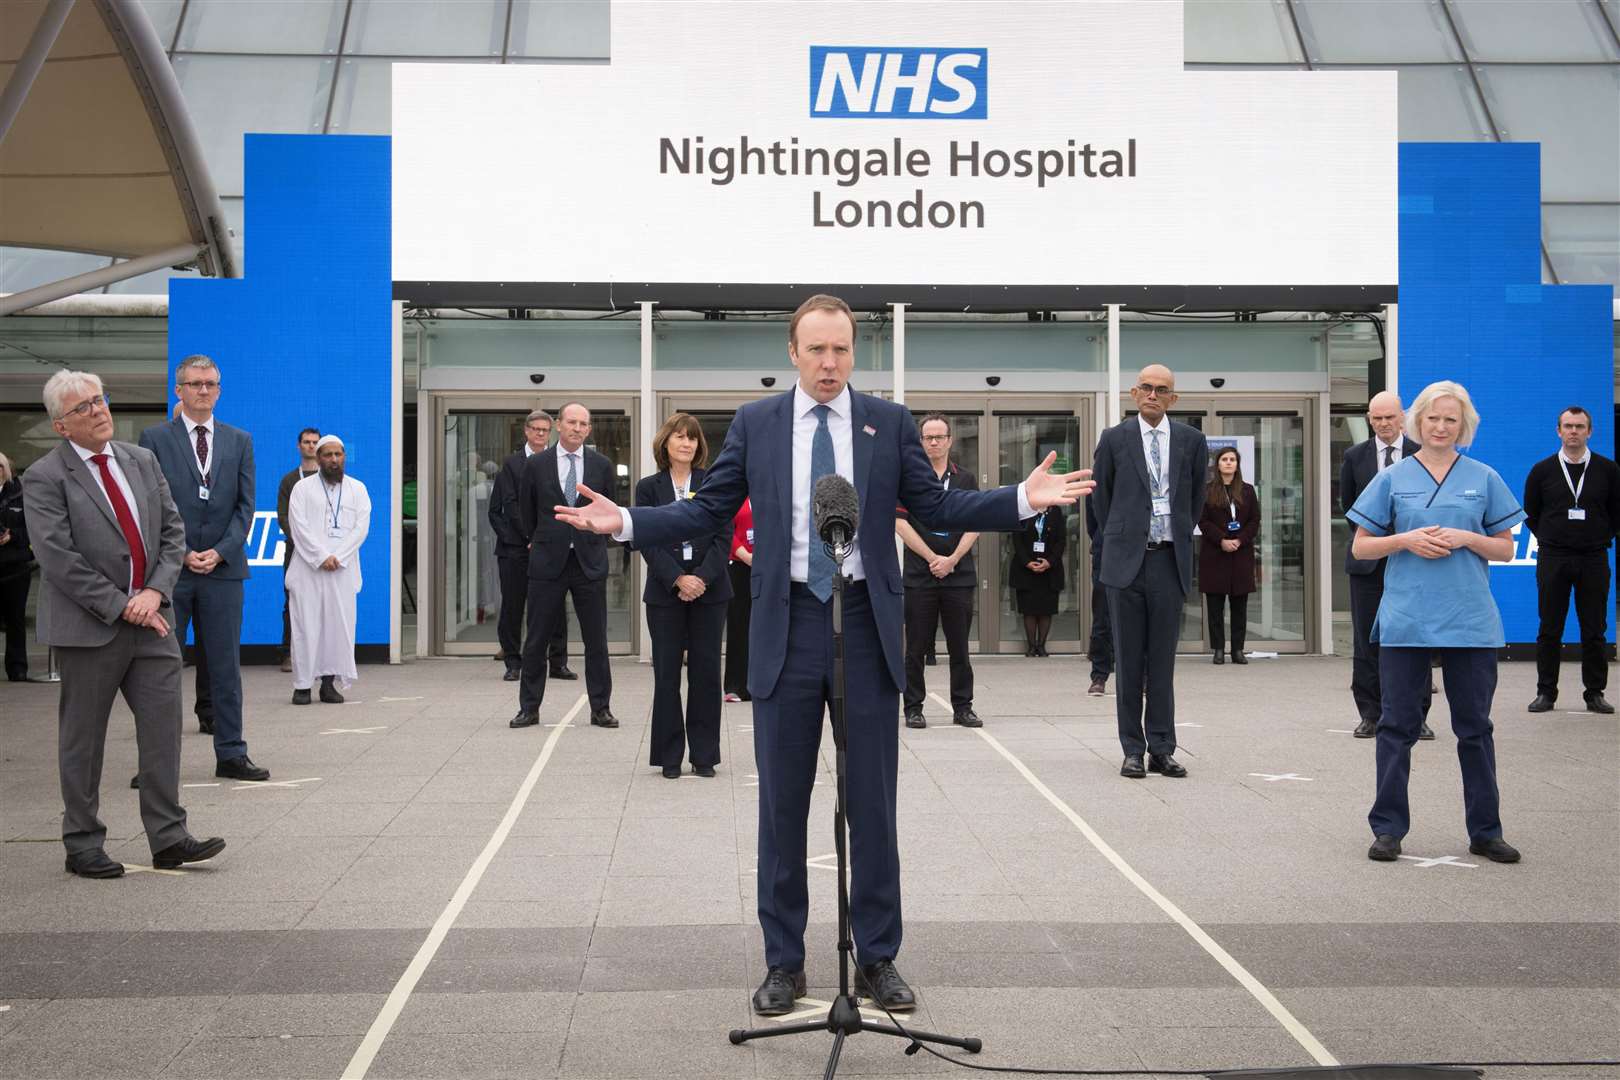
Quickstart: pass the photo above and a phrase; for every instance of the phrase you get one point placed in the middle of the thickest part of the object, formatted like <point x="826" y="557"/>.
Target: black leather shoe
<point x="1385" y="848"/>
<point x="1133" y="767"/>
<point x="93" y="864"/>
<point x="1599" y="704"/>
<point x="1543" y="703"/>
<point x="1239" y="658"/>
<point x="135" y="782"/>
<point x="1495" y="849"/>
<point x="205" y="725"/>
<point x="704" y="770"/>
<point x="301" y="697"/>
<point x="190" y="849"/>
<point x="1366" y="729"/>
<point x="672" y="772"/>
<point x="1166" y="764"/>
<point x="884" y="985"/>
<point x="914" y="718"/>
<point x="931" y="659"/>
<point x="524" y="719"/>
<point x="329" y="691"/>
<point x="1218" y="659"/>
<point x="512" y="675"/>
<point x="240" y="768"/>
<point x="776" y="995"/>
<point x="1425" y="732"/>
<point x="1098" y="688"/>
<point x="604" y="718"/>
<point x="563" y="673"/>
<point x="967" y="718"/>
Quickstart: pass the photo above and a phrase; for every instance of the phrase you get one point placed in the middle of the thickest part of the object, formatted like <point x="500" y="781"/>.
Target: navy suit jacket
<point x="225" y="519"/>
<point x="664" y="564"/>
<point x="1124" y="502"/>
<point x="549" y="539"/>
<point x="890" y="469"/>
<point x="1355" y="473"/>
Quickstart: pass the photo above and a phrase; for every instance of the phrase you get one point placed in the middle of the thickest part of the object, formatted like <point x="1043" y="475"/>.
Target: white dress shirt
<point x="123" y="486"/>
<point x="191" y="437"/>
<point x="562" y="471"/>
<point x="1398" y="446"/>
<point x="1164" y="449"/>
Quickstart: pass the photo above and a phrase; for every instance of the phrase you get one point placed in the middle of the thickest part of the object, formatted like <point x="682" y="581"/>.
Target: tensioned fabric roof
<point x="97" y="151"/>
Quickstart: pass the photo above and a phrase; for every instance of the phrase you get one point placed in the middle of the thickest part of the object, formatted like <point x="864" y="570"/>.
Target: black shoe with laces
<point x="1598" y="703"/>
<point x="967" y="718"/>
<point x="883" y="984"/>
<point x="776" y="995"/>
<point x="1385" y="848"/>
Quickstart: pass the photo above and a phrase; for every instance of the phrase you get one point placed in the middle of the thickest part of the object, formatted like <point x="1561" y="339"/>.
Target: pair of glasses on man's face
<point x="936" y="438"/>
<point x="85" y="408"/>
<point x="201" y="386"/>
<point x="1151" y="390"/>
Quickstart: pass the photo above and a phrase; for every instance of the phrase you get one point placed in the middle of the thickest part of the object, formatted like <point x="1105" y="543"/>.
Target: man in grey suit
<point x="109" y="544"/>
<point x="1150" y="474"/>
<point x="209" y="468"/>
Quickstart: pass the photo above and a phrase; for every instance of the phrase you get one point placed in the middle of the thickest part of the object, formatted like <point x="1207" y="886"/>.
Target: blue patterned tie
<point x="822" y="463"/>
<point x="1159" y="529"/>
<point x="571" y="488"/>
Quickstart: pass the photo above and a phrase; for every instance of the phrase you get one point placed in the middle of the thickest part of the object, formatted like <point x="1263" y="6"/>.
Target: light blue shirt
<point x="1443" y="603"/>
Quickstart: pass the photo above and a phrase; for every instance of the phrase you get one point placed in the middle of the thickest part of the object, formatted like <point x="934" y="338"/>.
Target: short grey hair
<point x="64" y="384"/>
<point x="538" y="414"/>
<point x="1428" y="396"/>
<point x="195" y="360"/>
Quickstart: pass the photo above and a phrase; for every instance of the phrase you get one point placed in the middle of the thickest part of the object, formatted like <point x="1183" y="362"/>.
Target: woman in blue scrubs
<point x="1440" y="518"/>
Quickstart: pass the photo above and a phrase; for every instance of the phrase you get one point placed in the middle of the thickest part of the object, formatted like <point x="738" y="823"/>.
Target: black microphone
<point x="836" y="511"/>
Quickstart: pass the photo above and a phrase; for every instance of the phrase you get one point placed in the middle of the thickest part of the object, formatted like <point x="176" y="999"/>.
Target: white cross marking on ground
<point x="356" y="730"/>
<point x="556" y="725"/>
<point x="249" y="785"/>
<point x="1272" y="778"/>
<point x="214" y="784"/>
<point x="1340" y="731"/>
<point x="1189" y="725"/>
<point x="745" y="727"/>
<point x="810" y="1008"/>
<point x="1444" y="860"/>
<point x="416" y="698"/>
<point x="136" y="868"/>
<point x="753" y="781"/>
<point x="823" y="862"/>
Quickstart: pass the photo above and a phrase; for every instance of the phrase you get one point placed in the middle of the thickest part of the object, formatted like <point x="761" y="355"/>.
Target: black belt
<point x="800" y="588"/>
<point x="1155" y="545"/>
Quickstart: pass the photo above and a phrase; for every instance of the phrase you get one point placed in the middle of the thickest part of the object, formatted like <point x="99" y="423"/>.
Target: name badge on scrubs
<point x="202" y="492"/>
<point x="1577" y="514"/>
<point x="1038" y="547"/>
<point x="686" y="552"/>
<point x="1161" y="506"/>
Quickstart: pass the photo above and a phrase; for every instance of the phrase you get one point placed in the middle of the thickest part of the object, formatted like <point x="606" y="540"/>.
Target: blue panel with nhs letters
<point x="899" y="83"/>
<point x="1473" y="309"/>
<point x="304" y="339"/>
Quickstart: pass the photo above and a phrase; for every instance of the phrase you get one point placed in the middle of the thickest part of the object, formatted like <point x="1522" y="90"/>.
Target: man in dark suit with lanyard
<point x="561" y="561"/>
<point x="1150" y="491"/>
<point x="1362" y="462"/>
<point x="775" y="452"/>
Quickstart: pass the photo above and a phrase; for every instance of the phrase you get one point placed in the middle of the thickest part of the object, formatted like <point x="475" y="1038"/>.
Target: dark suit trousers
<point x="927" y="607"/>
<point x="1366" y="593"/>
<point x="737" y="618"/>
<point x="1470" y="676"/>
<point x="1101" y="648"/>
<point x="787" y="741"/>
<point x="14" y="618"/>
<point x="146" y="669"/>
<point x="546" y="614"/>
<point x="514" y="573"/>
<point x="694" y="629"/>
<point x="214" y="610"/>
<point x="1588" y="576"/>
<point x="1146" y="620"/>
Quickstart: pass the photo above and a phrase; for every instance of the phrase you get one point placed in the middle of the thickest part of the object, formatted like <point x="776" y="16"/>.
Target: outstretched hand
<point x="597" y="513"/>
<point x="1045" y="488"/>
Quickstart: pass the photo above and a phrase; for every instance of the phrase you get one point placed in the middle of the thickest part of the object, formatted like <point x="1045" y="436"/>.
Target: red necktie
<point x="202" y="451"/>
<point x="126" y="522"/>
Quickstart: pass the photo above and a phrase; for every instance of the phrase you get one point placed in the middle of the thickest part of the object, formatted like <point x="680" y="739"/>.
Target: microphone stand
<point x="844" y="1017"/>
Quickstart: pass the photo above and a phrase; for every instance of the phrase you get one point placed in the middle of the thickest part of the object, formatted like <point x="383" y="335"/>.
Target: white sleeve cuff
<point x="1025" y="511"/>
<point x="627" y="533"/>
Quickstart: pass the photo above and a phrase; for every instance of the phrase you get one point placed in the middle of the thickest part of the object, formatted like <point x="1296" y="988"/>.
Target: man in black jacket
<point x="512" y="555"/>
<point x="1572" y="500"/>
<point x="307" y="466"/>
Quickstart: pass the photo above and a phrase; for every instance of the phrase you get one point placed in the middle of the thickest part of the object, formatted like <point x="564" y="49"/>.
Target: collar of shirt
<point x="1147" y="427"/>
<point x="1395" y="446"/>
<point x="1586" y="456"/>
<point x="86" y="455"/>
<point x="528" y="451"/>
<point x="192" y="426"/>
<point x="803" y="402"/>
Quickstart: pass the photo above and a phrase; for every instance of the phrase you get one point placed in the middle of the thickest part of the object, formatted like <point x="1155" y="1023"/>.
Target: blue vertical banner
<point x="304" y="339"/>
<point x="1473" y="309"/>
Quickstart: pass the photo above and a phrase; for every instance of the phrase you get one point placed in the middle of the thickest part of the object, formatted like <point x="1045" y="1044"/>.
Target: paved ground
<point x="612" y="933"/>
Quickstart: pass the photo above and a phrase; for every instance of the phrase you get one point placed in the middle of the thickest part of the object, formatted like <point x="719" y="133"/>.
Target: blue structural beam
<point x="304" y="340"/>
<point x="1473" y="309"/>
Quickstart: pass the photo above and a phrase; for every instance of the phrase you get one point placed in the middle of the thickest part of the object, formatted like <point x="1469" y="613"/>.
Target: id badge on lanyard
<point x="1039" y="546"/>
<point x="1576" y="512"/>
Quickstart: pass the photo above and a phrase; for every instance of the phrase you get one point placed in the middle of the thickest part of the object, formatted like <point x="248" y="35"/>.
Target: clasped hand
<point x="142" y="610"/>
<point x="1435" y="541"/>
<point x="689" y="587"/>
<point x="941" y="566"/>
<point x="1229" y="545"/>
<point x="202" y="562"/>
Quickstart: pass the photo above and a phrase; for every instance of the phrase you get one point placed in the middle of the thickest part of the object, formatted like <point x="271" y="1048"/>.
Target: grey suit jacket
<point x="1124" y="502"/>
<point x="83" y="559"/>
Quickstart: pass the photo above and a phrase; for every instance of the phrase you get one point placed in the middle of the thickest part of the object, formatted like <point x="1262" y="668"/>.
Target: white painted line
<point x="808" y="1008"/>
<point x="1264" y="996"/>
<point x="1183" y="723"/>
<point x="355" y="730"/>
<point x="1272" y="778"/>
<point x="561" y="724"/>
<point x="1341" y="731"/>
<point x="753" y="781"/>
<point x="416" y="698"/>
<point x="5" y="1008"/>
<point x="823" y="862"/>
<point x="249" y="785"/>
<point x="380" y="1027"/>
<point x="136" y="868"/>
<point x="214" y="784"/>
<point x="1444" y="860"/>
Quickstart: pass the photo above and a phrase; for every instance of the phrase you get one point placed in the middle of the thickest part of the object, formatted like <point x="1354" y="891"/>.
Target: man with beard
<point x="330" y="514"/>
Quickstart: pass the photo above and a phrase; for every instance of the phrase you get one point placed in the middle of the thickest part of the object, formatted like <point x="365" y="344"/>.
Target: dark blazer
<point x="1055" y="537"/>
<point x="890" y="469"/>
<point x="15" y="557"/>
<point x="549" y="538"/>
<point x="1230" y="573"/>
<point x="224" y="520"/>
<point x="1124" y="503"/>
<point x="664" y="563"/>
<point x="1357" y="470"/>
<point x="504" y="515"/>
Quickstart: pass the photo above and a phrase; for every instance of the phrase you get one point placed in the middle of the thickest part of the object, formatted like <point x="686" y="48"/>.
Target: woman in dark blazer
<point x="1036" y="574"/>
<point x="16" y="572"/>
<point x="1230" y="522"/>
<point x="686" y="594"/>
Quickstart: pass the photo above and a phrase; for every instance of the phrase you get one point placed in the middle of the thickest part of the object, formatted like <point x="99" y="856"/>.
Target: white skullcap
<point x="328" y="439"/>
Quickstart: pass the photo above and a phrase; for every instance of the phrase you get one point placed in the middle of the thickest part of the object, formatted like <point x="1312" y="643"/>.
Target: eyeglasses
<point x="85" y="408"/>
<point x="936" y="438"/>
<point x="1150" y="390"/>
<point x="201" y="387"/>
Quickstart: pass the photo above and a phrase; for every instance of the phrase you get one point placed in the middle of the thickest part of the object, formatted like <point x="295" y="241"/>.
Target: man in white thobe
<point x="330" y="514"/>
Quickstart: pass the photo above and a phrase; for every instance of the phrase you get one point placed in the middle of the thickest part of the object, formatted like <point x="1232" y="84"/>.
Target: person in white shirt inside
<point x="330" y="514"/>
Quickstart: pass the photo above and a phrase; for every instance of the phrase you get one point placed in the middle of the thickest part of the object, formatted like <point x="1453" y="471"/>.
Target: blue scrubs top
<point x="1441" y="603"/>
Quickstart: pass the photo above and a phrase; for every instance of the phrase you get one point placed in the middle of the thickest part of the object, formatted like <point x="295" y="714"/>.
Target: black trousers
<point x="1101" y="648"/>
<point x="514" y="573"/>
<point x="14" y="619"/>
<point x="737" y="616"/>
<point x="1588" y="576"/>
<point x="693" y="629"/>
<point x="1366" y="593"/>
<point x="545" y="603"/>
<point x="1146" y="620"/>
<point x="927" y="608"/>
<point x="1217" y="619"/>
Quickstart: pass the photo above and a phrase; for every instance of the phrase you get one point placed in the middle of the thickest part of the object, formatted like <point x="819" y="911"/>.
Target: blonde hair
<point x="64" y="383"/>
<point x="1428" y="396"/>
<point x="5" y="467"/>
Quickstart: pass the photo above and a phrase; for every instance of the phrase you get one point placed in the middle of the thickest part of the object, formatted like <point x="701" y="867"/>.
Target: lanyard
<point x="1574" y="488"/>
<point x="329" y="508"/>
<point x="1231" y="504"/>
<point x="1040" y="525"/>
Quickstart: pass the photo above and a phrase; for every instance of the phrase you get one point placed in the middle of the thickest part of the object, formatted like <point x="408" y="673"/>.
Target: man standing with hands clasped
<point x="776" y="451"/>
<point x="1572" y="502"/>
<point x="330" y="514"/>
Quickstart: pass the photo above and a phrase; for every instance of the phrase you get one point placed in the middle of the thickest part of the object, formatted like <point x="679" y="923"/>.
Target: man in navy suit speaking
<point x="775" y="452"/>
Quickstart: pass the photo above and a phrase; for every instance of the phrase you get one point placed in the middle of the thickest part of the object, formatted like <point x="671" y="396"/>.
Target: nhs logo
<point x="853" y="81"/>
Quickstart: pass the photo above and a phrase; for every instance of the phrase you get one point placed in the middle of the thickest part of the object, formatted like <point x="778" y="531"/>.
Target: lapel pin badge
<point x="869" y="429"/>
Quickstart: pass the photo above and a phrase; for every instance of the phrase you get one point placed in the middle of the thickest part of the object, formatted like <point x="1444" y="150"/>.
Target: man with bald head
<point x="1150" y="474"/>
<point x="1362" y="462"/>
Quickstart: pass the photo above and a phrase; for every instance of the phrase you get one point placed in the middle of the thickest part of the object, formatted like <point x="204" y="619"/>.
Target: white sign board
<point x="954" y="144"/>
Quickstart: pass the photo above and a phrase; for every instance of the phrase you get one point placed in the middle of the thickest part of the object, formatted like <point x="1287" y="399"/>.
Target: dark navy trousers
<point x="213" y="608"/>
<point x="787" y="742"/>
<point x="1470" y="676"/>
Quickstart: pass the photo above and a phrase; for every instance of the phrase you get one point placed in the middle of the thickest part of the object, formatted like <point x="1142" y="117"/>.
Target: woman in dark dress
<point x="1036" y="575"/>
<point x="1228" y="527"/>
<point x="686" y="593"/>
<point x="16" y="572"/>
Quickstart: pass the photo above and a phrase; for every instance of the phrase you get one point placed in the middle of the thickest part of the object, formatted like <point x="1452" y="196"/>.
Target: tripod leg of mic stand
<point x="739" y="1036"/>
<point x="971" y="1045"/>
<point x="832" y="1060"/>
